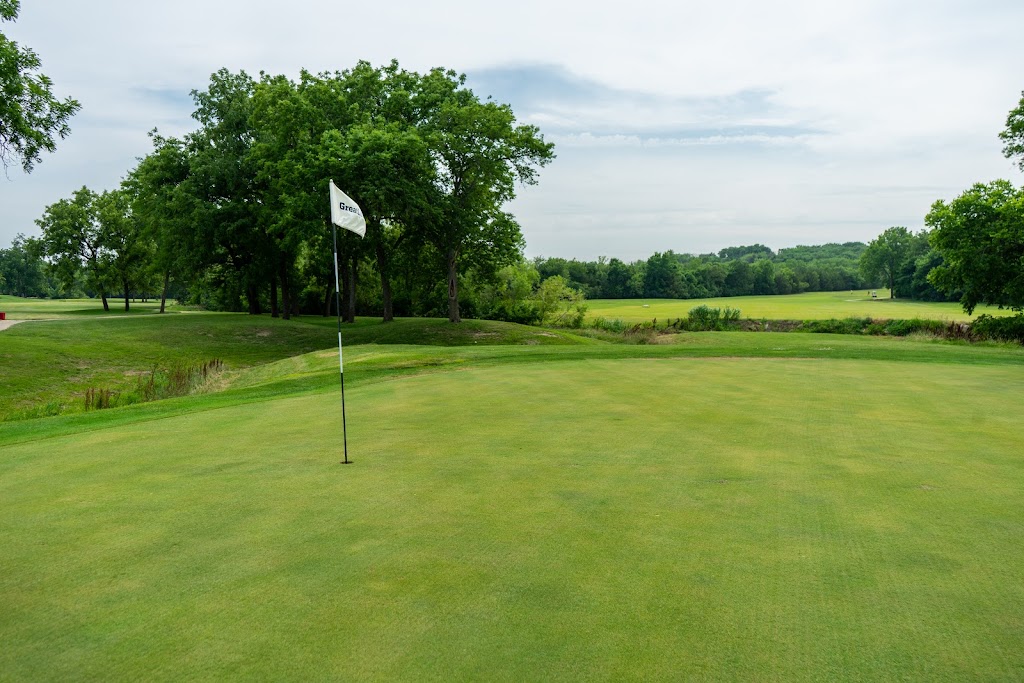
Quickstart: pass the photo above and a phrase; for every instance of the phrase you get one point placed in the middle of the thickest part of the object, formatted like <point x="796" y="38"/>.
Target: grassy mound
<point x="49" y="366"/>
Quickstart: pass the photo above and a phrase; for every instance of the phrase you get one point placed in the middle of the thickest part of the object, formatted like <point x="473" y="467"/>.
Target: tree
<point x="1013" y="135"/>
<point x="21" y="268"/>
<point x="479" y="153"/>
<point x="162" y="208"/>
<point x="886" y="255"/>
<point x="661" y="277"/>
<point x="227" y="205"/>
<point x="980" y="234"/>
<point x="559" y="304"/>
<point x="30" y="116"/>
<point x="129" y="250"/>
<point x="617" y="284"/>
<point x="73" y="238"/>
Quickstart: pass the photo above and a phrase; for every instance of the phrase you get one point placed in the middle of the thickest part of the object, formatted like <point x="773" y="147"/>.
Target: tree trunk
<point x="125" y="297"/>
<point x="163" y="294"/>
<point x="453" y="289"/>
<point x="286" y="292"/>
<point x="274" y="310"/>
<point x="385" y="282"/>
<point x="106" y="306"/>
<point x="327" y="300"/>
<point x="252" y="296"/>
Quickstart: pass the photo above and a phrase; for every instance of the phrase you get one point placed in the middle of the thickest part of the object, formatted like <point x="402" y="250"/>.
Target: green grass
<point x="18" y="308"/>
<point x="525" y="504"/>
<point x="810" y="306"/>
<point x="576" y="518"/>
<point x="48" y="365"/>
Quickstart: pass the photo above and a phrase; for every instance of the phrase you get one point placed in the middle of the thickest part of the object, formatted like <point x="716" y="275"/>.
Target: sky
<point x="688" y="126"/>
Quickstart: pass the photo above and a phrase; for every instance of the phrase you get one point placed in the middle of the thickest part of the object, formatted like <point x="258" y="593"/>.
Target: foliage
<point x="885" y="257"/>
<point x="75" y="242"/>
<point x="708" y="318"/>
<point x="559" y="304"/>
<point x="980" y="235"/>
<point x="734" y="271"/>
<point x="1003" y="328"/>
<point x="21" y="268"/>
<point x="1013" y="135"/>
<point x="31" y="117"/>
<point x="836" y="326"/>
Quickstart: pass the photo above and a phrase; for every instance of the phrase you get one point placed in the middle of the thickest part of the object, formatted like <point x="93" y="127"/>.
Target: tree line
<point x="235" y="214"/>
<point x="733" y="271"/>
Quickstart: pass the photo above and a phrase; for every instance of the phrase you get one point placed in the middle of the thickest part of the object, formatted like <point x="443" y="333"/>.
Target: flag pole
<point x="341" y="362"/>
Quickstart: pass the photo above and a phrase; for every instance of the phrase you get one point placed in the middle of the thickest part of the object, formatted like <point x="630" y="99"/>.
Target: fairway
<point x="18" y="308"/>
<point x="810" y="306"/>
<point x="584" y="518"/>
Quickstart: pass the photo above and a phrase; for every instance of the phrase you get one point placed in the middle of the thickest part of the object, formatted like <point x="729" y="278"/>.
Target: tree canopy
<point x="31" y="117"/>
<point x="886" y="255"/>
<point x="1013" y="135"/>
<point x="980" y="235"/>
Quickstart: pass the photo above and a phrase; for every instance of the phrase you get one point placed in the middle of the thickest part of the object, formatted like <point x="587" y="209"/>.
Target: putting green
<point x="629" y="519"/>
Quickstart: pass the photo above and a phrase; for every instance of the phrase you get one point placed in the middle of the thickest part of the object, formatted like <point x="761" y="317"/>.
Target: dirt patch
<point x="263" y="333"/>
<point x="4" y="324"/>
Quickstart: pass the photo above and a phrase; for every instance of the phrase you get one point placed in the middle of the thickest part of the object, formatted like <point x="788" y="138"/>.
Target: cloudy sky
<point x="677" y="125"/>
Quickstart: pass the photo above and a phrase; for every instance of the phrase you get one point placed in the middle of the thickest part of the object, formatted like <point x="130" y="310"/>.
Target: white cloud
<point x="709" y="123"/>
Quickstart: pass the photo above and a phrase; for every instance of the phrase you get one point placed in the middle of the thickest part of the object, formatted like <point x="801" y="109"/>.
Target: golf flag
<point x="345" y="213"/>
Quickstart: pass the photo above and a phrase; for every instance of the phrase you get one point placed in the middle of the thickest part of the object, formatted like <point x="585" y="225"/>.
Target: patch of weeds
<point x="180" y="379"/>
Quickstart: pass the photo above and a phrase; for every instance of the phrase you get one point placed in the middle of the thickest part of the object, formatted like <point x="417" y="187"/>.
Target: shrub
<point x="1001" y="329"/>
<point x="706" y="318"/>
<point x="606" y="325"/>
<point x="836" y="326"/>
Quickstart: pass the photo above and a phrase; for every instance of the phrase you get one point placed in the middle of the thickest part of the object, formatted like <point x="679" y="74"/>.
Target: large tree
<point x="980" y="234"/>
<point x="886" y="255"/>
<point x="31" y="117"/>
<point x="480" y="153"/>
<point x="163" y="210"/>
<point x="129" y="248"/>
<point x="73" y="239"/>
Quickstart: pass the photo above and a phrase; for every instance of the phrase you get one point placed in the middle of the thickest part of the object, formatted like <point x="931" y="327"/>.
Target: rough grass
<point x="563" y="517"/>
<point x="49" y="365"/>
<point x="810" y="306"/>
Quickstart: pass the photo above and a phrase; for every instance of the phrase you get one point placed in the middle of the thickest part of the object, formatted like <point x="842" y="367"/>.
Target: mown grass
<point x="546" y="512"/>
<point x="19" y="308"/>
<point x="809" y="306"/>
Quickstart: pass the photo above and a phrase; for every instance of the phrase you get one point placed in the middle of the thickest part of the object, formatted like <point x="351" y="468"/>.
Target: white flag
<point x="345" y="213"/>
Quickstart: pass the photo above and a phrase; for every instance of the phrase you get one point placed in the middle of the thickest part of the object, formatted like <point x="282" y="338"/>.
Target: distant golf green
<point x="811" y="306"/>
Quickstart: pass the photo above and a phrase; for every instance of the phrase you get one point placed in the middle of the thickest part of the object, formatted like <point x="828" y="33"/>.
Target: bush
<point x="706" y="318"/>
<point x="1000" y="329"/>
<point x="522" y="312"/>
<point x="605" y="325"/>
<point x="836" y="326"/>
